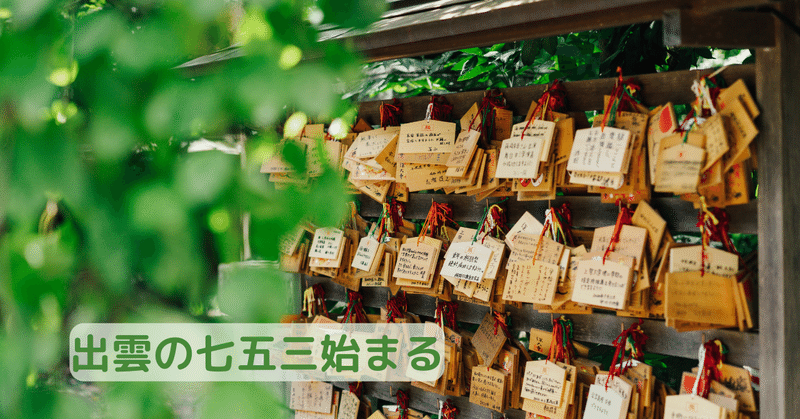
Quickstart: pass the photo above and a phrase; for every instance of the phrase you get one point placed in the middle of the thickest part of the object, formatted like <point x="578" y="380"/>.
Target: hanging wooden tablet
<point x="600" y="157"/>
<point x="544" y="382"/>
<point x="488" y="388"/>
<point x="741" y="132"/>
<point x="621" y="385"/>
<point x="565" y="135"/>
<point x="301" y="414"/>
<point x="372" y="143"/>
<point x="737" y="186"/>
<point x="311" y="396"/>
<point x="470" y="175"/>
<point x="602" y="284"/>
<point x="526" y="224"/>
<point x="648" y="218"/>
<point x="346" y="274"/>
<point x="430" y="140"/>
<point x="694" y="297"/>
<point x="377" y="190"/>
<point x="368" y="255"/>
<point x="636" y="187"/>
<point x="521" y="155"/>
<point x="467" y="121"/>
<point x="509" y="363"/>
<point x="386" y="158"/>
<point x="466" y="259"/>
<point x="348" y="406"/>
<point x="318" y="152"/>
<point x="529" y="246"/>
<point x="717" y="262"/>
<point x="416" y="260"/>
<point x="418" y="177"/>
<point x="692" y="406"/>
<point x="566" y="282"/>
<point x="477" y="183"/>
<point x="630" y="241"/>
<point x="604" y="403"/>
<point x="662" y="124"/>
<point x="295" y="262"/>
<point x="738" y="380"/>
<point x="463" y="151"/>
<point x="502" y="126"/>
<point x="679" y="164"/>
<point x="489" y="181"/>
<point x="488" y="340"/>
<point x="327" y="244"/>
<point x="531" y="282"/>
<point x="290" y="241"/>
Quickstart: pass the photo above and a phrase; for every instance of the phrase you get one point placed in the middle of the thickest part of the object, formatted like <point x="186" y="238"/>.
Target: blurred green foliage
<point x="105" y="216"/>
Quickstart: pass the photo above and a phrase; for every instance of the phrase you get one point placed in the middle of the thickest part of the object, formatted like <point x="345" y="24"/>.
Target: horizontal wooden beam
<point x="600" y="327"/>
<point x="487" y="22"/>
<point x="587" y="211"/>
<point x="586" y="95"/>
<point x="726" y="29"/>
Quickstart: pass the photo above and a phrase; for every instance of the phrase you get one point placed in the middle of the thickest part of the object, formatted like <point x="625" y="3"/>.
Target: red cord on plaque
<point x="492" y="223"/>
<point x="562" y="217"/>
<point x="356" y="388"/>
<point x="446" y="314"/>
<point x="492" y="101"/>
<point x="449" y="410"/>
<point x="501" y="321"/>
<point x="711" y="356"/>
<point x="391" y="114"/>
<point x="354" y="309"/>
<point x="439" y="109"/>
<point x="631" y="341"/>
<point x="402" y="404"/>
<point x="314" y="301"/>
<point x="624" y="98"/>
<point x="396" y="307"/>
<point x="561" y="347"/>
<point x="554" y="99"/>
<point x="438" y="217"/>
<point x="624" y="218"/>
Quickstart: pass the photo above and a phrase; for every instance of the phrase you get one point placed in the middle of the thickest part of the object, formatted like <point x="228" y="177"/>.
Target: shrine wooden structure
<point x="418" y="27"/>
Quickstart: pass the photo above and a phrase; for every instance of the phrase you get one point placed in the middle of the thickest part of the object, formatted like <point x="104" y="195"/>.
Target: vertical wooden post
<point x="778" y="92"/>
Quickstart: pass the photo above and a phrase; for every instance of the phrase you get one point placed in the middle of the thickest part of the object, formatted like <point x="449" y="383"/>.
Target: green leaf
<point x="472" y="51"/>
<point x="202" y="177"/>
<point x="474" y="72"/>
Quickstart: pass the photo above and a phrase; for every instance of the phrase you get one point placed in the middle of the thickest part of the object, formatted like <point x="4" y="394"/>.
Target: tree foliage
<point x="104" y="216"/>
<point x="635" y="49"/>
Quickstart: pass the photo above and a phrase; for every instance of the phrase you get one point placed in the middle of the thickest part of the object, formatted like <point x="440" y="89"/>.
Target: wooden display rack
<point x="774" y="216"/>
<point x="587" y="211"/>
<point x="418" y="27"/>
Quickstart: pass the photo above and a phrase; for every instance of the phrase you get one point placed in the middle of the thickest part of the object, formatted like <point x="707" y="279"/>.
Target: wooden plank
<point x="587" y="211"/>
<point x="778" y="93"/>
<point x="600" y="327"/>
<point x="586" y="95"/>
<point x="682" y="28"/>
<point x="409" y="7"/>
<point x="487" y="22"/>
